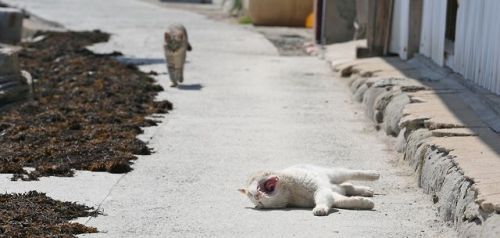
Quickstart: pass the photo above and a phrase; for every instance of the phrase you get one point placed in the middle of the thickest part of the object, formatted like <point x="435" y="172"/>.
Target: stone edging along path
<point x="454" y="154"/>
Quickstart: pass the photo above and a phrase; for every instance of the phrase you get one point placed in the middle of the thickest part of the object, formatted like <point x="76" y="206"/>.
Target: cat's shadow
<point x="140" y="61"/>
<point x="288" y="209"/>
<point x="190" y="87"/>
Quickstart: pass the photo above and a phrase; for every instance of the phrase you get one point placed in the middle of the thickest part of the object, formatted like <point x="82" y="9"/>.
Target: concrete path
<point x="243" y="108"/>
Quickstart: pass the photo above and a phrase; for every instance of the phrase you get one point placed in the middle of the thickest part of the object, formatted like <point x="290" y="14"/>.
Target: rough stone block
<point x="11" y="25"/>
<point x="479" y="162"/>
<point x="393" y="113"/>
<point x="491" y="227"/>
<point x="356" y="83"/>
<point x="453" y="151"/>
<point x="9" y="62"/>
<point x="358" y="95"/>
<point x="437" y="111"/>
<point x="448" y="132"/>
<point x="13" y="85"/>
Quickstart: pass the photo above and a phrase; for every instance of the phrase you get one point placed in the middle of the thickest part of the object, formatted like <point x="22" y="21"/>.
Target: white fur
<point x="312" y="186"/>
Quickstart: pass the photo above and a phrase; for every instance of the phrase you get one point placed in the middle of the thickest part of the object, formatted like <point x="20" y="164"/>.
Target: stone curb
<point x="15" y="85"/>
<point x="11" y="24"/>
<point x="430" y="137"/>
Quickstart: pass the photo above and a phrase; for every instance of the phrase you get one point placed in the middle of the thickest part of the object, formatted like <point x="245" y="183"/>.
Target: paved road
<point x="243" y="108"/>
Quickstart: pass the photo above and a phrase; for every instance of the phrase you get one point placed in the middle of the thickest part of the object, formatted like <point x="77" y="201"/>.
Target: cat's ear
<point x="166" y="36"/>
<point x="242" y="190"/>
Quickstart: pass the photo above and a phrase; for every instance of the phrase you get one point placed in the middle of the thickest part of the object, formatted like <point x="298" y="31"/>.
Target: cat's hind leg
<point x="181" y="75"/>
<point x="355" y="203"/>
<point x="356" y="190"/>
<point x="338" y="176"/>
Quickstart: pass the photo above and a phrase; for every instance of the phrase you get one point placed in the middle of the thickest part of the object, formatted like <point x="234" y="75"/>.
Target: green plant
<point x="245" y="20"/>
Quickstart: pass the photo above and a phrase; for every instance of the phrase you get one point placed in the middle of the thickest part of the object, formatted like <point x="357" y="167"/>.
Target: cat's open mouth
<point x="269" y="185"/>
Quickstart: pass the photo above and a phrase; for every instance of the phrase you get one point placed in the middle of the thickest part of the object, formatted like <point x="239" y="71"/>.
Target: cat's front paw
<point x="321" y="211"/>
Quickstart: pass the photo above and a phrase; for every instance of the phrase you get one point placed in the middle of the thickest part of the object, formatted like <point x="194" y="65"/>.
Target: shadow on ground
<point x="453" y="90"/>
<point x="140" y="61"/>
<point x="190" y="87"/>
<point x="289" y="209"/>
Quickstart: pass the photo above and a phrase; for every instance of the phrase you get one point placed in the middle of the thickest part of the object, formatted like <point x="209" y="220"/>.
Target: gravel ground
<point x="87" y="112"/>
<point x="290" y="41"/>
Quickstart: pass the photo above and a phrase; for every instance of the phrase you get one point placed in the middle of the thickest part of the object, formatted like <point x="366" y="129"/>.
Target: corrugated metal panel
<point x="426" y="33"/>
<point x="477" y="44"/>
<point x="477" y="40"/>
<point x="433" y="30"/>
<point x="400" y="28"/>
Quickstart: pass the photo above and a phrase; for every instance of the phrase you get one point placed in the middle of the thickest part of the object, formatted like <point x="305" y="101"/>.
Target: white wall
<point x="477" y="44"/>
<point x="433" y="30"/>
<point x="477" y="41"/>
<point x="400" y="28"/>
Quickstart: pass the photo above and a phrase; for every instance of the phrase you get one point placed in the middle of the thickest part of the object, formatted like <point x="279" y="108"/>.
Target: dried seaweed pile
<point x="87" y="112"/>
<point x="35" y="215"/>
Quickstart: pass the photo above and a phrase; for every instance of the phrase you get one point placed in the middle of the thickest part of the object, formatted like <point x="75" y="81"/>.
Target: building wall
<point x="338" y="20"/>
<point x="432" y="40"/>
<point x="477" y="43"/>
<point x="433" y="27"/>
<point x="400" y="28"/>
<point x="475" y="53"/>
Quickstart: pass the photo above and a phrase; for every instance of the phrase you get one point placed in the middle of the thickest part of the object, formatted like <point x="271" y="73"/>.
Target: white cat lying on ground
<point x="311" y="186"/>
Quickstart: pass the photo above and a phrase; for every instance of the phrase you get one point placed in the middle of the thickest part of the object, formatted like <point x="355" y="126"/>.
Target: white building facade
<point x="463" y="35"/>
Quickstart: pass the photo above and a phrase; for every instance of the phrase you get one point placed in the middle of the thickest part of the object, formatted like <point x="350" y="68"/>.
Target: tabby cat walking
<point x="175" y="47"/>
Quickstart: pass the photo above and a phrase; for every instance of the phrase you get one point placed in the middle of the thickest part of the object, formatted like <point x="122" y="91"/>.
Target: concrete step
<point x="444" y="132"/>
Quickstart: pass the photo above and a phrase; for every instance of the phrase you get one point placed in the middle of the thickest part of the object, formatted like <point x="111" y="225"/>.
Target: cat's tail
<point x="364" y="175"/>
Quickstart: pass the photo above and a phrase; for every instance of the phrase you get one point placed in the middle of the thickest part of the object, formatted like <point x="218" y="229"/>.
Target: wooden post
<point x="318" y="21"/>
<point x="415" y="27"/>
<point x="370" y="26"/>
<point x="379" y="26"/>
<point x="388" y="27"/>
